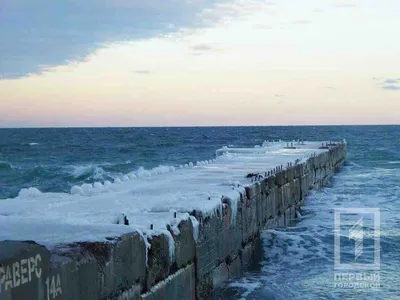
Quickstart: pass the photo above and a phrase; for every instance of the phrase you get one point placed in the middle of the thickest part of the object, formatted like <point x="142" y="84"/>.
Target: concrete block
<point x="104" y="269"/>
<point x="263" y="185"/>
<point x="204" y="287"/>
<point x="286" y="194"/>
<point x="264" y="210"/>
<point x="226" y="271"/>
<point x="304" y="186"/>
<point x="184" y="244"/>
<point x="251" y="255"/>
<point x="270" y="223"/>
<point x="287" y="217"/>
<point x="158" y="260"/>
<point x="290" y="215"/>
<point x="253" y="190"/>
<point x="290" y="174"/>
<point x="249" y="220"/>
<point x="91" y="260"/>
<point x="129" y="260"/>
<point x="207" y="245"/>
<point x="296" y="191"/>
<point x="279" y="201"/>
<point x="281" y="220"/>
<point x="208" y="285"/>
<point x="259" y="213"/>
<point x="64" y="277"/>
<point x="281" y="178"/>
<point x="270" y="182"/>
<point x="132" y="294"/>
<point x="231" y="232"/>
<point x="180" y="285"/>
<point x="270" y="204"/>
<point x="299" y="170"/>
<point x="24" y="270"/>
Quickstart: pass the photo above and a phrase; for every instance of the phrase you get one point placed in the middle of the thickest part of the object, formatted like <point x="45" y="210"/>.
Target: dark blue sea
<point x="297" y="262"/>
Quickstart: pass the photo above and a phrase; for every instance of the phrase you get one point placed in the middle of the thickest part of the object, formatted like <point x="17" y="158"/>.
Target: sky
<point x="199" y="62"/>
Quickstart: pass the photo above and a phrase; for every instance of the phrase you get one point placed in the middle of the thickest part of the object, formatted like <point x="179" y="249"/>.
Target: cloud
<point x="226" y="11"/>
<point x="391" y="87"/>
<point x="329" y="87"/>
<point x="279" y="95"/>
<point x="199" y="49"/>
<point x="41" y="32"/>
<point x="389" y="84"/>
<point x="391" y="81"/>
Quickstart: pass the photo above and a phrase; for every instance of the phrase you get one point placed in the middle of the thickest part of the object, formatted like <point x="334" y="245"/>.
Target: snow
<point x="89" y="212"/>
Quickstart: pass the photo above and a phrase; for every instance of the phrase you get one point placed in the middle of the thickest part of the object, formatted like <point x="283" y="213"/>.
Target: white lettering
<point x="20" y="272"/>
<point x="47" y="288"/>
<point x="31" y="267"/>
<point x="9" y="282"/>
<point x="53" y="288"/>
<point x="58" y="285"/>
<point x="38" y="259"/>
<point x="2" y="275"/>
<point x="24" y="270"/>
<point x="16" y="275"/>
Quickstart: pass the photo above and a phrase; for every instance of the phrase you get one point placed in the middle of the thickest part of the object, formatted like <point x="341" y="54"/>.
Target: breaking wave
<point x="5" y="166"/>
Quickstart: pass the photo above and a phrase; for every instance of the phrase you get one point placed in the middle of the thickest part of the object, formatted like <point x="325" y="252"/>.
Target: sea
<point x="297" y="262"/>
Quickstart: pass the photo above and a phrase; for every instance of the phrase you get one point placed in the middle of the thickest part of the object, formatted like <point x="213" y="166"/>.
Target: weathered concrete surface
<point x="180" y="285"/>
<point x="124" y="268"/>
<point x="24" y="271"/>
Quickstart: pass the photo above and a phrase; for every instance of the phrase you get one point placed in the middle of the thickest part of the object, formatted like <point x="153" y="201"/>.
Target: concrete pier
<point x="189" y="255"/>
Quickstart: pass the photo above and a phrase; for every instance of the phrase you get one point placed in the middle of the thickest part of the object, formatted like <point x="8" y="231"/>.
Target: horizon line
<point x="195" y="126"/>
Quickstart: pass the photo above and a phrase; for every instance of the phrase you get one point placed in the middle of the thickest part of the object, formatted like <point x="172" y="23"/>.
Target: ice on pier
<point x="152" y="200"/>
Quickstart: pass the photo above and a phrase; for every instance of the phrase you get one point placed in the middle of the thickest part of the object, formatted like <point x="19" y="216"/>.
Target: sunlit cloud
<point x="37" y="33"/>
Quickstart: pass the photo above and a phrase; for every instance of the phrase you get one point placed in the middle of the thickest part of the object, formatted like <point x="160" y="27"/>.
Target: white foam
<point x="248" y="286"/>
<point x="86" y="187"/>
<point x="142" y="173"/>
<point x="30" y="192"/>
<point x="76" y="190"/>
<point x="98" y="185"/>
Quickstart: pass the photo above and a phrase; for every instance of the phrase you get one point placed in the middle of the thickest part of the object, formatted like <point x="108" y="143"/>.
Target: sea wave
<point x="6" y="166"/>
<point x="40" y="171"/>
<point x="92" y="171"/>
